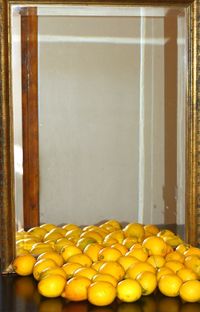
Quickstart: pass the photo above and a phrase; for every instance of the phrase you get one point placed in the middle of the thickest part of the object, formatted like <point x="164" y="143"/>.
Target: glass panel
<point x="111" y="114"/>
<point x="89" y="162"/>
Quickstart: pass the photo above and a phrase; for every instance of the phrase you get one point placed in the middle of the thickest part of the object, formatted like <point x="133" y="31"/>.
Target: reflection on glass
<point x="111" y="114"/>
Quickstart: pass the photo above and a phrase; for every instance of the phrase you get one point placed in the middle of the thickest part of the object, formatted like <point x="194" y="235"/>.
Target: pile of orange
<point x="101" y="263"/>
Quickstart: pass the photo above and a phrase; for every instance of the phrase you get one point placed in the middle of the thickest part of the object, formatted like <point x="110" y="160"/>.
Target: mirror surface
<point x="111" y="106"/>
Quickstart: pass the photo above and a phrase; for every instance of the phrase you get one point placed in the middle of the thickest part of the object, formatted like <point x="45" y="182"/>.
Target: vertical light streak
<point x="141" y="121"/>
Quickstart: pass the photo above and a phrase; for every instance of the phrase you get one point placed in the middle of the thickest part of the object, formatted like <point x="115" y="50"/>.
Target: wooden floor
<point x="19" y="294"/>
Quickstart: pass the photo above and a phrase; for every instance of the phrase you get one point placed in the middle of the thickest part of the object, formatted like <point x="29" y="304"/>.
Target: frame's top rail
<point x="106" y="2"/>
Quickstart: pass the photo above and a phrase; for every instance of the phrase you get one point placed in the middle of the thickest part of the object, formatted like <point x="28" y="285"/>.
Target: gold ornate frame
<point x="7" y="210"/>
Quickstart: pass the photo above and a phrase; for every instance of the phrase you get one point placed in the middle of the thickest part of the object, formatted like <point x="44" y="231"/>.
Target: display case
<point x="100" y="115"/>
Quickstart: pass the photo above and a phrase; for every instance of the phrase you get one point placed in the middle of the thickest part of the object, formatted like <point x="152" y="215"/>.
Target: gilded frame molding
<point x="7" y="210"/>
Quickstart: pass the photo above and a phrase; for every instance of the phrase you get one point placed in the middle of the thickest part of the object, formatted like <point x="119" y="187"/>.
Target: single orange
<point x="112" y="268"/>
<point x="51" y="286"/>
<point x="151" y="229"/>
<point x="169" y="285"/>
<point x="190" y="291"/>
<point x="23" y="265"/>
<point x="82" y="259"/>
<point x="134" y="230"/>
<point x="148" y="282"/>
<point x="101" y="293"/>
<point x="129" y="290"/>
<point x="68" y="251"/>
<point x="109" y="254"/>
<point x="92" y="251"/>
<point x="76" y="288"/>
<point x="155" y="246"/>
<point x="187" y="274"/>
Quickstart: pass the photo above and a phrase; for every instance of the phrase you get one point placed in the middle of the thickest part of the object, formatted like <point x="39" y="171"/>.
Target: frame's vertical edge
<point x="30" y="119"/>
<point x="197" y="69"/>
<point x="7" y="213"/>
<point x="193" y="127"/>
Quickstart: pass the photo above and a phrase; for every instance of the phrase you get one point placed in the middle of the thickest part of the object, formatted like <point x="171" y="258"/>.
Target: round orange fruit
<point x="112" y="268"/>
<point x="109" y="254"/>
<point x="68" y="251"/>
<point x="76" y="288"/>
<point x="101" y="293"/>
<point x="148" y="282"/>
<point x="134" y="230"/>
<point x="169" y="285"/>
<point x="23" y="265"/>
<point x="190" y="291"/>
<point x="155" y="246"/>
<point x="129" y="290"/>
<point x="51" y="286"/>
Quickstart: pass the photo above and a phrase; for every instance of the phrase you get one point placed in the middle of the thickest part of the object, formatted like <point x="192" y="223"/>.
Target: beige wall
<point x="94" y="120"/>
